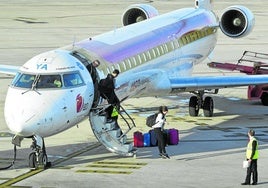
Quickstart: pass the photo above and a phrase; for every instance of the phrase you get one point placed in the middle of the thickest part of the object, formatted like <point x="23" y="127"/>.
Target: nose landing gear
<point x="38" y="158"/>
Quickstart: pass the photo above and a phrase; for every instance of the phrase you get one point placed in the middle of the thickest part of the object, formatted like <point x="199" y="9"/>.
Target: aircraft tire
<point x="193" y="106"/>
<point x="264" y="99"/>
<point x="208" y="107"/>
<point x="42" y="158"/>
<point x="32" y="160"/>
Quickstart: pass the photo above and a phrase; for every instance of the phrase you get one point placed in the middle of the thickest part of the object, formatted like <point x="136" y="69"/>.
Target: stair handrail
<point x="133" y="123"/>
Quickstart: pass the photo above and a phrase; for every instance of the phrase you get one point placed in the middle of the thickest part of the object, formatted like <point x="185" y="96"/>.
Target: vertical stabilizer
<point x="205" y="4"/>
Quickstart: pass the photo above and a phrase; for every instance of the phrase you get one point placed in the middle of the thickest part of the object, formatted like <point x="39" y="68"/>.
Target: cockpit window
<point x="72" y="79"/>
<point x="24" y="80"/>
<point x="37" y="81"/>
<point x="49" y="81"/>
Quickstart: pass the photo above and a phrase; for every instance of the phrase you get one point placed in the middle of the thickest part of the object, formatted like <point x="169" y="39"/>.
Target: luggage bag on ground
<point x="146" y="140"/>
<point x="173" y="136"/>
<point x="138" y="139"/>
<point x="153" y="138"/>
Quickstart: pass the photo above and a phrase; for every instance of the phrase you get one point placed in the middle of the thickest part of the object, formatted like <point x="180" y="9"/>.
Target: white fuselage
<point x="48" y="110"/>
<point x="171" y="43"/>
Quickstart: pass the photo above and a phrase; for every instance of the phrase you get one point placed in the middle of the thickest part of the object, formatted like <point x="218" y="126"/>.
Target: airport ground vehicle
<point x="244" y="65"/>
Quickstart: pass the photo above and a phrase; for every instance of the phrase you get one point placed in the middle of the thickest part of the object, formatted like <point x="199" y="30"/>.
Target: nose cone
<point x="21" y="112"/>
<point x="19" y="120"/>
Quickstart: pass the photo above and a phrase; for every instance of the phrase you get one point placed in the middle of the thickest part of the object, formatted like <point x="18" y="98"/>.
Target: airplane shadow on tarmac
<point x="226" y="130"/>
<point x="205" y="139"/>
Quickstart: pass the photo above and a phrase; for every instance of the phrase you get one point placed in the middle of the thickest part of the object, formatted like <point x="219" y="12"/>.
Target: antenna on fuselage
<point x="205" y="4"/>
<point x="74" y="39"/>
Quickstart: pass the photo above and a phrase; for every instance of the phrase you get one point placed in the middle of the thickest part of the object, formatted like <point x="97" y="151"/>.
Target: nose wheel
<point x="33" y="160"/>
<point x="38" y="157"/>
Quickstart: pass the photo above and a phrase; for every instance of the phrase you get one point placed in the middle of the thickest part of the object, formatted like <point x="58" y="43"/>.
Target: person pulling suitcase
<point x="159" y="128"/>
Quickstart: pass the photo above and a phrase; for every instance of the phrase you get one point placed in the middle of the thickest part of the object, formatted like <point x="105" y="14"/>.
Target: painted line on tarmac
<point x="26" y="175"/>
<point x="112" y="167"/>
<point x="122" y="163"/>
<point x="20" y="177"/>
<point x="72" y="155"/>
<point x="104" y="171"/>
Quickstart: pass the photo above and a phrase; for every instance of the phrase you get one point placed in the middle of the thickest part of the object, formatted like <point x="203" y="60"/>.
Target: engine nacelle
<point x="237" y="21"/>
<point x="138" y="12"/>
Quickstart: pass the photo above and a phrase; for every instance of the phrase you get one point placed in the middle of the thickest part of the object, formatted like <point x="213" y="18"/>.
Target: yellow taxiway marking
<point x="120" y="167"/>
<point x="104" y="171"/>
<point x="26" y="175"/>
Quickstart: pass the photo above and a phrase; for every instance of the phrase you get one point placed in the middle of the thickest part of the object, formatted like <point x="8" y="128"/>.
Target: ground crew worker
<point x="252" y="155"/>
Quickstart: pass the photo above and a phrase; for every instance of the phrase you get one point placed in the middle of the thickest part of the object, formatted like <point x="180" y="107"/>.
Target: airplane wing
<point x="186" y="84"/>
<point x="157" y="82"/>
<point x="9" y="69"/>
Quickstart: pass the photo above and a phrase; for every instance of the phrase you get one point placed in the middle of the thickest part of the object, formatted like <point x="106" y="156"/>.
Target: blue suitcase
<point x="146" y="140"/>
<point x="153" y="138"/>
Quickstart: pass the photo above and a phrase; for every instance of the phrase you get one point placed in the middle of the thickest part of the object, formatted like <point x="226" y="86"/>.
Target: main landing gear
<point x="38" y="157"/>
<point x="198" y="101"/>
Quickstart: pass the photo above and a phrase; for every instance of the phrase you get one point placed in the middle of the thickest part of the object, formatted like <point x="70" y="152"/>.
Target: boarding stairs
<point x="109" y="134"/>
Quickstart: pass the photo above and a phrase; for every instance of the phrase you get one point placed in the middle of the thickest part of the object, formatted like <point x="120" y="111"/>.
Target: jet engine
<point x="237" y="21"/>
<point x="138" y="12"/>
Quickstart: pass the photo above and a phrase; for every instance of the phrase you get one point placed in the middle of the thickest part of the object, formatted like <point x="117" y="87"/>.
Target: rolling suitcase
<point x="173" y="136"/>
<point x="153" y="138"/>
<point x="138" y="139"/>
<point x="146" y="140"/>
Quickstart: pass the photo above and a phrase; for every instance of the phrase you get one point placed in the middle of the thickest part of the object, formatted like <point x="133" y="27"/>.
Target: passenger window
<point x="73" y="79"/>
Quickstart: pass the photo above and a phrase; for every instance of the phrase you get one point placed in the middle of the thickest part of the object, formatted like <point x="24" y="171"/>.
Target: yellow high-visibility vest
<point x="249" y="149"/>
<point x="114" y="113"/>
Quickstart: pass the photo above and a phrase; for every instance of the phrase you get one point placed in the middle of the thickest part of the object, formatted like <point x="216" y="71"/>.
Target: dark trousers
<point x="160" y="140"/>
<point x="252" y="169"/>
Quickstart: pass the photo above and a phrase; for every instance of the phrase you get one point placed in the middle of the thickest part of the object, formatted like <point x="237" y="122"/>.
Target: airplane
<point x="155" y="55"/>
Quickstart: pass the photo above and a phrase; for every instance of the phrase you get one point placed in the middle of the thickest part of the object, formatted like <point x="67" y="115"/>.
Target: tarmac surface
<point x="211" y="150"/>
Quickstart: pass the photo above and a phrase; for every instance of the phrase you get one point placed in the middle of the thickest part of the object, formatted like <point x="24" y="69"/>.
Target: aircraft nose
<point x="20" y="120"/>
<point x="20" y="113"/>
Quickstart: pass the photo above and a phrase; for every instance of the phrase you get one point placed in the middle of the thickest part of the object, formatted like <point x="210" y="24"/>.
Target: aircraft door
<point x="92" y="69"/>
